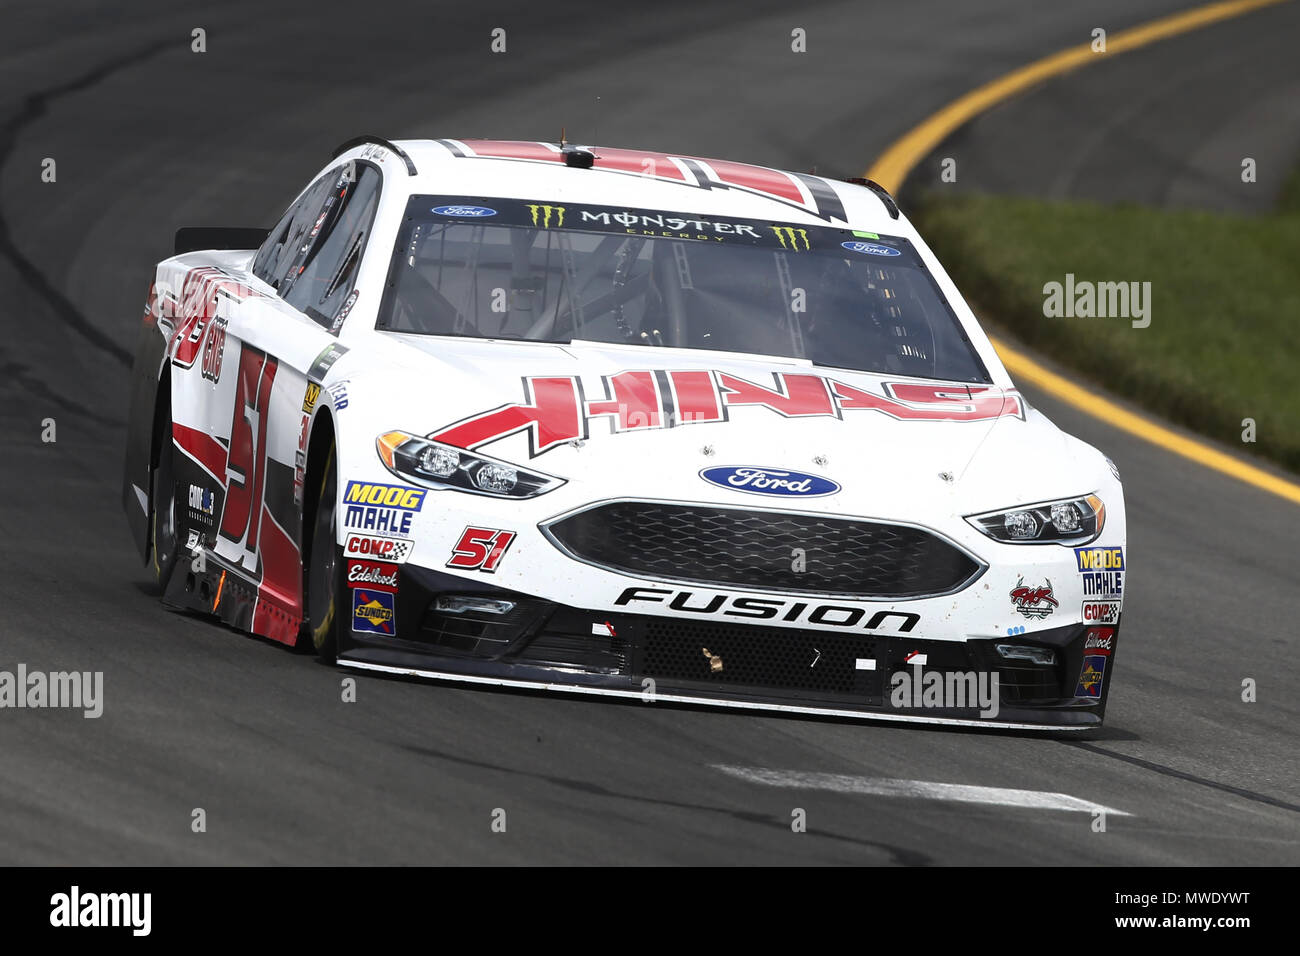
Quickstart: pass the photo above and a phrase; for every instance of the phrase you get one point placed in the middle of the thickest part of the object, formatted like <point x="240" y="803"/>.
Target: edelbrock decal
<point x="770" y="481"/>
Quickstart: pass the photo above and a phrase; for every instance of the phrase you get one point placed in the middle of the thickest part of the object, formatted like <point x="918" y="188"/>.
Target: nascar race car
<point x="622" y="423"/>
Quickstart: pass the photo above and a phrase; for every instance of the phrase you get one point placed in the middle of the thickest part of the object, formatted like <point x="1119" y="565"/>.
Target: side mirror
<point x="195" y="238"/>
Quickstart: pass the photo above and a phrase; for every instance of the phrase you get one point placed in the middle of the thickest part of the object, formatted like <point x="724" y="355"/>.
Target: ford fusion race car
<point x="622" y="423"/>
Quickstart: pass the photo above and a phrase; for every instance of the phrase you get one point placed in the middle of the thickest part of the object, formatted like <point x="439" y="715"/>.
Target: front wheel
<point x="323" y="619"/>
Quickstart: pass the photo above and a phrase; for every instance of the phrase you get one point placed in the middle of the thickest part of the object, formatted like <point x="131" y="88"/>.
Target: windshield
<point x="516" y="269"/>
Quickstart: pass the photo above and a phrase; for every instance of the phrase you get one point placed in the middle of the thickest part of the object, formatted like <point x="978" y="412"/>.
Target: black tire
<point x="164" y="541"/>
<point x="324" y="571"/>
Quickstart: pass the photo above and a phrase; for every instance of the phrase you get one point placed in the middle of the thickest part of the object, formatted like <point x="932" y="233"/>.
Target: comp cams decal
<point x="1100" y="612"/>
<point x="555" y="409"/>
<point x="394" y="550"/>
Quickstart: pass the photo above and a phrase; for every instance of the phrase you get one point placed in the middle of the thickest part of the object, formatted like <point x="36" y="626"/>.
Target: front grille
<point x="757" y="656"/>
<point x="1023" y="683"/>
<point x="479" y="633"/>
<point x="764" y="550"/>
<point x="582" y="651"/>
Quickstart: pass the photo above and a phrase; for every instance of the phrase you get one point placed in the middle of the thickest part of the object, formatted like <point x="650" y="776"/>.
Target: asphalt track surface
<point x="1167" y="125"/>
<point x="149" y="136"/>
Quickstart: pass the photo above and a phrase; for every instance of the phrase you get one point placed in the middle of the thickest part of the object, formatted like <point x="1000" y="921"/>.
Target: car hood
<point x="890" y="456"/>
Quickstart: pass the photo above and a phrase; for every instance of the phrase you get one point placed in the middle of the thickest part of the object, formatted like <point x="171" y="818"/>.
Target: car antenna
<point x="576" y="156"/>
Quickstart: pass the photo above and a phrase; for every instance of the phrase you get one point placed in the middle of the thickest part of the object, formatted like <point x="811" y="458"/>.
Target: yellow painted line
<point x="898" y="160"/>
<point x="1024" y="368"/>
<point x="891" y="169"/>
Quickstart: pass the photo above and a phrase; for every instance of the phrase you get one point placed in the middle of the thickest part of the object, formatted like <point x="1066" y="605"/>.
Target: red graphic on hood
<point x="555" y="409"/>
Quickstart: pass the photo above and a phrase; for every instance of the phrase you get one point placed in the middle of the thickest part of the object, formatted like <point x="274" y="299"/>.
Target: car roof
<point x="633" y="177"/>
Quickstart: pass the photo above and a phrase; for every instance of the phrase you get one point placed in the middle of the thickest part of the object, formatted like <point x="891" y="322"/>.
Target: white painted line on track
<point x="919" y="789"/>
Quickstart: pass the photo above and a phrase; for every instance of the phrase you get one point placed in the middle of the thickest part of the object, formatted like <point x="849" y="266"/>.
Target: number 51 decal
<point x="241" y="519"/>
<point x="480" y="549"/>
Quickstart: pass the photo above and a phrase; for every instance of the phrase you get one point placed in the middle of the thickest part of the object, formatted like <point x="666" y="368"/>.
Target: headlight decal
<point x="1069" y="521"/>
<point x="436" y="465"/>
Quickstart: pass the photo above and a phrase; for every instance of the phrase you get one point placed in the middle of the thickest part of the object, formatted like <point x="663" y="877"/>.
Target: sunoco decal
<point x="373" y="612"/>
<point x="1090" y="676"/>
<point x="1098" y="644"/>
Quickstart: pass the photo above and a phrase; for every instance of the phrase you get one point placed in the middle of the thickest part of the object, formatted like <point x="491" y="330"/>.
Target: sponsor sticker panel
<point x="374" y="612"/>
<point x="1034" y="601"/>
<point x="1101" y="572"/>
<point x="1098" y="643"/>
<point x="376" y="575"/>
<point x="377" y="547"/>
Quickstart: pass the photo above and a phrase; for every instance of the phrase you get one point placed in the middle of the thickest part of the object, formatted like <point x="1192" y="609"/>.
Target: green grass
<point x="1224" y="338"/>
<point x="1289" y="200"/>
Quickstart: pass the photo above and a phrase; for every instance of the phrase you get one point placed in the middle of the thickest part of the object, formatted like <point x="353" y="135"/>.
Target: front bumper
<point x="544" y="645"/>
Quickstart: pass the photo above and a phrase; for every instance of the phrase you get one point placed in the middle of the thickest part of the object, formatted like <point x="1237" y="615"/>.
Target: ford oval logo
<point x="464" y="212"/>
<point x="770" y="481"/>
<point x="870" y="248"/>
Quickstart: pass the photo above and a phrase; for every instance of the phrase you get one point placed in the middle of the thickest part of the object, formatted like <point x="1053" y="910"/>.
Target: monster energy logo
<point x="542" y="215"/>
<point x="789" y="236"/>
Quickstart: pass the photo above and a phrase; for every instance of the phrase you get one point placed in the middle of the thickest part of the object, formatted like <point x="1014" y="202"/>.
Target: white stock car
<point x="621" y="423"/>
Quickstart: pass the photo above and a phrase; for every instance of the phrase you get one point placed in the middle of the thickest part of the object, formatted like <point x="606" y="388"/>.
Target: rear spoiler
<point x="196" y="238"/>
